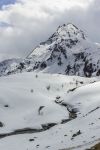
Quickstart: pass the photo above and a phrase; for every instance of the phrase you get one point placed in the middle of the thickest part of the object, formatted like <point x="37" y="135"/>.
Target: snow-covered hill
<point x="38" y="112"/>
<point x="68" y="51"/>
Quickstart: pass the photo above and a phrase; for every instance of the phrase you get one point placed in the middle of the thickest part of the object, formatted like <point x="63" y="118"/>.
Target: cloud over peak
<point x="27" y="23"/>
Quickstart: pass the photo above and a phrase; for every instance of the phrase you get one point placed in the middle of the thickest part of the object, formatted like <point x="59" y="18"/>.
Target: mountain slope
<point x="68" y="51"/>
<point x="65" y="114"/>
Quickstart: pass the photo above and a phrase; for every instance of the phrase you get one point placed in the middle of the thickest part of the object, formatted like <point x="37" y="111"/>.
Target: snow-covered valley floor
<point x="49" y="112"/>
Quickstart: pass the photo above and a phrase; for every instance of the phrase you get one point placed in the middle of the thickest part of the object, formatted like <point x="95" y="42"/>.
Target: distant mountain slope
<point x="68" y="51"/>
<point x="4" y="56"/>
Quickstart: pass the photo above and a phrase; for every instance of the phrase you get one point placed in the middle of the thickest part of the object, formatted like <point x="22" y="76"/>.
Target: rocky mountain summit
<point x="68" y="51"/>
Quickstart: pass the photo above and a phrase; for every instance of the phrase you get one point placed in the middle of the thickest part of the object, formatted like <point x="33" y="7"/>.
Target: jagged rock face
<point x="68" y="51"/>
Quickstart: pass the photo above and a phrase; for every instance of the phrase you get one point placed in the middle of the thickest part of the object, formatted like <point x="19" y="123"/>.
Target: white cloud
<point x="32" y="21"/>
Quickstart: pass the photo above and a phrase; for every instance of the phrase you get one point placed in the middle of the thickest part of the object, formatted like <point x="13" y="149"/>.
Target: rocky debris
<point x="76" y="134"/>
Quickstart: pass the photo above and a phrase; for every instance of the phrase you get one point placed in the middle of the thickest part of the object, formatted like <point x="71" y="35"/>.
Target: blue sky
<point x="5" y="24"/>
<point x="6" y="2"/>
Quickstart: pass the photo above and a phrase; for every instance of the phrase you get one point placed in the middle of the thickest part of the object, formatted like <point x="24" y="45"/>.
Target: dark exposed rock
<point x="58" y="97"/>
<point x="31" y="140"/>
<point x="71" y="90"/>
<point x="6" y="105"/>
<point x="65" y="121"/>
<point x="88" y="69"/>
<point x="36" y="66"/>
<point x="48" y="125"/>
<point x="76" y="134"/>
<point x="1" y="124"/>
<point x="39" y="110"/>
<point x="43" y="65"/>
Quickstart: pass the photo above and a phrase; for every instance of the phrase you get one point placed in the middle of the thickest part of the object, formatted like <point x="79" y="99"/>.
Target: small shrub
<point x="58" y="97"/>
<point x="32" y="90"/>
<point x="48" y="87"/>
<point x="31" y="140"/>
<point x="62" y="85"/>
<point x="1" y="124"/>
<point x="36" y="76"/>
<point x="6" y="105"/>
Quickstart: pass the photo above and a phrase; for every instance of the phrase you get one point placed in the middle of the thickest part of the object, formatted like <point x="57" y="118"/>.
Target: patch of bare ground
<point x="96" y="147"/>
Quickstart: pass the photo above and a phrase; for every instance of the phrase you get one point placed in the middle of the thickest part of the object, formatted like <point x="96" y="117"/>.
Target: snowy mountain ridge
<point x="68" y="51"/>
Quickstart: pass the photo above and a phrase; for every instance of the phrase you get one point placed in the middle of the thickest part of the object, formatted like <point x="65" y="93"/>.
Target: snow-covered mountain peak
<point x="67" y="51"/>
<point x="68" y="31"/>
<point x="66" y="37"/>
